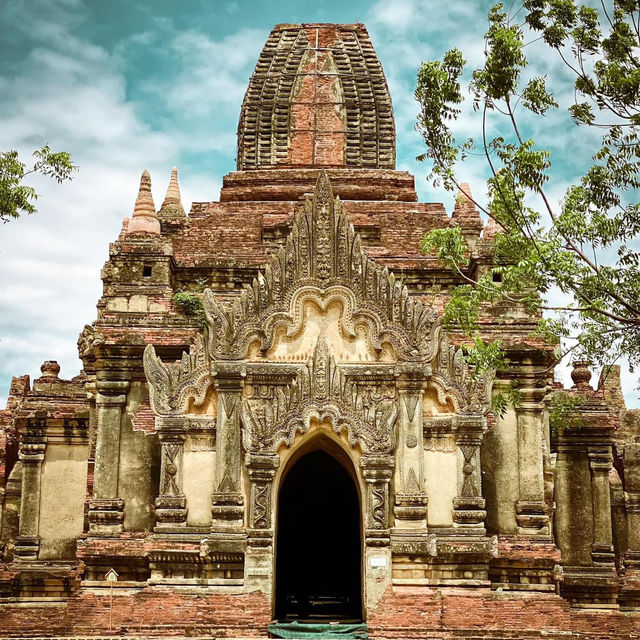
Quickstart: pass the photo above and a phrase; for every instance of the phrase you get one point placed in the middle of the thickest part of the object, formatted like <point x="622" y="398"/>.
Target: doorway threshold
<point x="319" y="630"/>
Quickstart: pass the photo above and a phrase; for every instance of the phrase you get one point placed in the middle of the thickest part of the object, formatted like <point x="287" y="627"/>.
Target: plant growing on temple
<point x="16" y="197"/>
<point x="580" y="251"/>
<point x="189" y="301"/>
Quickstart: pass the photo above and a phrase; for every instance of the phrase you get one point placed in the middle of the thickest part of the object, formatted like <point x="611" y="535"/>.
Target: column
<point x="377" y="471"/>
<point x="410" y="505"/>
<point x="602" y="552"/>
<point x="531" y="509"/>
<point x="632" y="509"/>
<point x="562" y="495"/>
<point x="262" y="470"/>
<point x="171" y="504"/>
<point x="227" y="503"/>
<point x="632" y="504"/>
<point x="258" y="568"/>
<point x="468" y="508"/>
<point x="106" y="509"/>
<point x="31" y="455"/>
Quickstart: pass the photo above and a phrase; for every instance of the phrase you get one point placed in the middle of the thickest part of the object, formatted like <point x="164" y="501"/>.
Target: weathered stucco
<point x="64" y="480"/>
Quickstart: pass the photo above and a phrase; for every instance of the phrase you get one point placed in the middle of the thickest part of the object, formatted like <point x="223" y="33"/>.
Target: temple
<point x="272" y="424"/>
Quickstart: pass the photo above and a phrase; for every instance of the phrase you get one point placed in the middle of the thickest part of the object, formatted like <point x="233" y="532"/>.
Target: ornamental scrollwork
<point x="88" y="340"/>
<point x="321" y="263"/>
<point x="321" y="254"/>
<point x="455" y="380"/>
<point x="172" y="386"/>
<point x="365" y="409"/>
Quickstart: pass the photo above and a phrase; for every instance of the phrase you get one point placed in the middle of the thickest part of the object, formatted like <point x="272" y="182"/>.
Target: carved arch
<point x="321" y="253"/>
<point x="322" y="260"/>
<point x="365" y="410"/>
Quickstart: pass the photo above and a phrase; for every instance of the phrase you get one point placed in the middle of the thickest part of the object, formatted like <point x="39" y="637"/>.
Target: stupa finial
<point x="173" y="190"/>
<point x="464" y="206"/>
<point x="144" y="219"/>
<point x="172" y="208"/>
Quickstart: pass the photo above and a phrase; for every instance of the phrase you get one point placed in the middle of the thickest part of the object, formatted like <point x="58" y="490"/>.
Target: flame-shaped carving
<point x="321" y="261"/>
<point x="454" y="379"/>
<point x="171" y="386"/>
<point x="322" y="252"/>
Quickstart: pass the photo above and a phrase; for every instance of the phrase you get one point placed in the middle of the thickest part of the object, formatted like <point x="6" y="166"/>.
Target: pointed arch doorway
<point x="318" y="574"/>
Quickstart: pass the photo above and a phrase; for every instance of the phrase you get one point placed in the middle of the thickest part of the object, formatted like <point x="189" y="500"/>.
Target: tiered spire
<point x="464" y="206"/>
<point x="144" y="219"/>
<point x="491" y="229"/>
<point x="172" y="205"/>
<point x="466" y="214"/>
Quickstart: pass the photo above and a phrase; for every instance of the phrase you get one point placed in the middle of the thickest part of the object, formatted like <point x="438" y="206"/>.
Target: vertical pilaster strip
<point x="562" y="496"/>
<point x="632" y="509"/>
<point x="106" y="510"/>
<point x="31" y="455"/>
<point x="171" y="504"/>
<point x="262" y="470"/>
<point x="531" y="509"/>
<point x="410" y="506"/>
<point x="468" y="506"/>
<point x="632" y="504"/>
<point x="602" y="552"/>
<point x="377" y="472"/>
<point x="227" y="502"/>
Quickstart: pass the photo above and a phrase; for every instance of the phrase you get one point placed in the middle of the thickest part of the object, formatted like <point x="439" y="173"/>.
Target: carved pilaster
<point x="468" y="506"/>
<point x="602" y="552"/>
<point x="262" y="470"/>
<point x="410" y="506"/>
<point x="106" y="510"/>
<point x="377" y="472"/>
<point x="531" y="509"/>
<point x="632" y="509"/>
<point x="31" y="454"/>
<point x="227" y="503"/>
<point x="632" y="504"/>
<point x="171" y="504"/>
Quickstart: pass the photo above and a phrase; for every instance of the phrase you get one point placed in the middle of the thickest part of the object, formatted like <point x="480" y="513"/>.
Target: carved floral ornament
<point x="321" y="263"/>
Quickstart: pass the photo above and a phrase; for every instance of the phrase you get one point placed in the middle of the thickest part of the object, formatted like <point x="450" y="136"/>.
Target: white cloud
<point x="72" y="94"/>
<point x="213" y="72"/>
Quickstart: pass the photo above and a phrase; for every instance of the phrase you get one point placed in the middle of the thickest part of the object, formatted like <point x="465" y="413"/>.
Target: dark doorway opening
<point x="318" y="554"/>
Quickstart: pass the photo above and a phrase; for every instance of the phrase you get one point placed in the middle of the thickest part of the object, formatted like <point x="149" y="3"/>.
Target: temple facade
<point x="273" y="424"/>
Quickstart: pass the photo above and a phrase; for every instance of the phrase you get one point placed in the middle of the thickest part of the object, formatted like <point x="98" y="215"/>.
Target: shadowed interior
<point x="318" y="562"/>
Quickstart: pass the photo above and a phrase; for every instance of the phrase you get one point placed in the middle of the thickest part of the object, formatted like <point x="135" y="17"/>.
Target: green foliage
<point x="585" y="247"/>
<point x="565" y="412"/>
<point x="17" y="198"/>
<point x="190" y="303"/>
<point x="505" y="398"/>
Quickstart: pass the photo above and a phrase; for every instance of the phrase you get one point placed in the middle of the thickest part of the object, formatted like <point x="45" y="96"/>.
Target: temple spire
<point x="144" y="219"/>
<point x="173" y="190"/>
<point x="491" y="229"/>
<point x="464" y="202"/>
<point x="466" y="215"/>
<point x="172" y="205"/>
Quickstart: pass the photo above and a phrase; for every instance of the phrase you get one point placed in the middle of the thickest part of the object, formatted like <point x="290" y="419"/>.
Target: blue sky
<point x="151" y="84"/>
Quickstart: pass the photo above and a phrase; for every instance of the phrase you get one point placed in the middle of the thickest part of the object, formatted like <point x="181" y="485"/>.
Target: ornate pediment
<point x="456" y="381"/>
<point x="357" y="304"/>
<point x="362" y="405"/>
<point x="173" y="386"/>
<point x="322" y="258"/>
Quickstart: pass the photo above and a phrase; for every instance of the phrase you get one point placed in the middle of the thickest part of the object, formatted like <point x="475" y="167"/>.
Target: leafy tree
<point x="17" y="198"/>
<point x="583" y="246"/>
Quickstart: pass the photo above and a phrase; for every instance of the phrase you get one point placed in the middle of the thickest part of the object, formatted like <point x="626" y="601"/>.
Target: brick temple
<point x="272" y="423"/>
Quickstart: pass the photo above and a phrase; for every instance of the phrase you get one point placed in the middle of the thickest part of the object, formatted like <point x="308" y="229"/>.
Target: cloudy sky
<point x="125" y="86"/>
